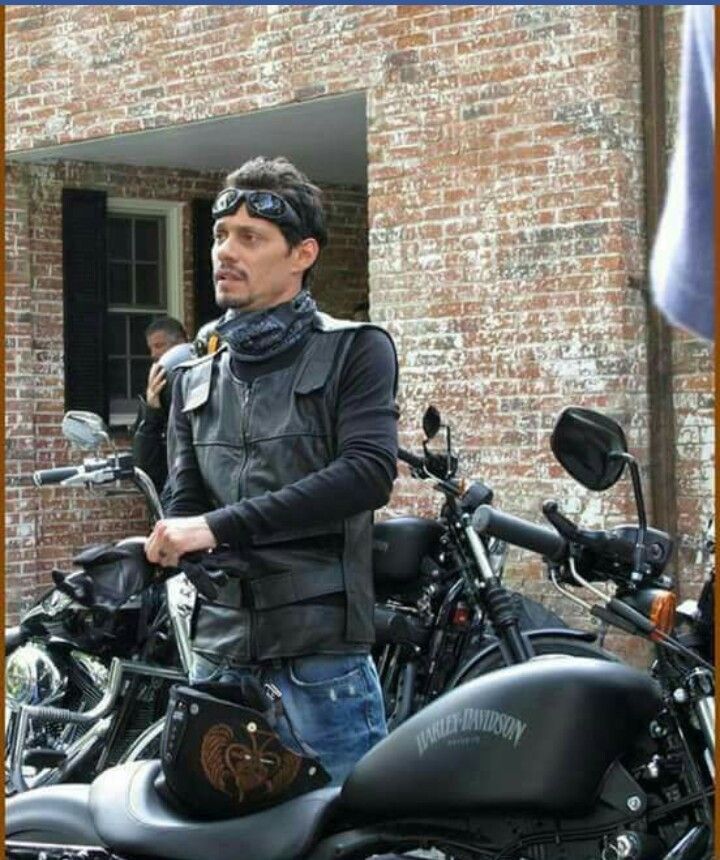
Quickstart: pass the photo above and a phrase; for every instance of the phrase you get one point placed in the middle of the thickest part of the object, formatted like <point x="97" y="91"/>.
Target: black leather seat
<point x="56" y="814"/>
<point x="132" y="817"/>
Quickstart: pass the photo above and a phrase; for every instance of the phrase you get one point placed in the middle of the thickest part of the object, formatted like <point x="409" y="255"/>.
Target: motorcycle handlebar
<point x="45" y="477"/>
<point x="514" y="530"/>
<point x="410" y="458"/>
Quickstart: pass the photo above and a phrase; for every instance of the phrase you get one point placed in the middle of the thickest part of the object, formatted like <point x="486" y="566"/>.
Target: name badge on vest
<point x="200" y="377"/>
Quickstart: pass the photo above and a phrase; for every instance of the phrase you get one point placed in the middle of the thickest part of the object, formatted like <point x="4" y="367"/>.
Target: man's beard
<point x="230" y="303"/>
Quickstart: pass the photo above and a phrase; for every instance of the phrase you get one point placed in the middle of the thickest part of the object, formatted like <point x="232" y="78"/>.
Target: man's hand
<point x="155" y="384"/>
<point x="174" y="537"/>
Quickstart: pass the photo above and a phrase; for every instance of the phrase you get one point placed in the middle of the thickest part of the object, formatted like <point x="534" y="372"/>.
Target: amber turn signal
<point x="662" y="611"/>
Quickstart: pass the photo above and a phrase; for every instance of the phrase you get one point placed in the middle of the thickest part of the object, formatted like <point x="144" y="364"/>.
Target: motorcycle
<point x="91" y="662"/>
<point x="112" y="674"/>
<point x="551" y="758"/>
<point x="435" y="628"/>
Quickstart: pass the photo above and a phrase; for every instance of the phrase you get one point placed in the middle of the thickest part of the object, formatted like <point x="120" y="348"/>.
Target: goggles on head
<point x="260" y="204"/>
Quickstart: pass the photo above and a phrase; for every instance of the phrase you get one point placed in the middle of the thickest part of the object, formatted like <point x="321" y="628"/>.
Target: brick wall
<point x="505" y="200"/>
<point x="46" y="527"/>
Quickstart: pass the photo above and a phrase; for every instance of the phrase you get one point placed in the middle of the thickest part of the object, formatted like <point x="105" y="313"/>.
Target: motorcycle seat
<point x="14" y="638"/>
<point x="131" y="817"/>
<point x="54" y="814"/>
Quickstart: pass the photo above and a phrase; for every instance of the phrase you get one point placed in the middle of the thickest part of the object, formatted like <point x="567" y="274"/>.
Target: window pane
<point x="120" y="286"/>
<point x="139" y="369"/>
<point x="147" y="284"/>
<point x="138" y="324"/>
<point x="117" y="377"/>
<point x="116" y="334"/>
<point x="119" y="238"/>
<point x="147" y="240"/>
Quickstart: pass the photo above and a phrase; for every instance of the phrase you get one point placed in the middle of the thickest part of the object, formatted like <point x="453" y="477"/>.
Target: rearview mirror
<point x="589" y="446"/>
<point x="431" y="422"/>
<point x="85" y="430"/>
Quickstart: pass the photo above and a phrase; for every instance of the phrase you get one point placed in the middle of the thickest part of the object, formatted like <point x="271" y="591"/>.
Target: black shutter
<point x="85" y="299"/>
<point x="205" y="308"/>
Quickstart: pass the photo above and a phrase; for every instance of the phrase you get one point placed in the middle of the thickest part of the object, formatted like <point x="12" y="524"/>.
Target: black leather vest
<point x="252" y="439"/>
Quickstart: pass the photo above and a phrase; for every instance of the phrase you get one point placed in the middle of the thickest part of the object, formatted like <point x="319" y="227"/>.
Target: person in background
<point x="150" y="435"/>
<point x="683" y="259"/>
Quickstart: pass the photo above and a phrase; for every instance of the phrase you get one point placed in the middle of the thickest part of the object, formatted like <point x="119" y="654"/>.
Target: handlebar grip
<point x="487" y="520"/>
<point x="45" y="477"/>
<point x="411" y="459"/>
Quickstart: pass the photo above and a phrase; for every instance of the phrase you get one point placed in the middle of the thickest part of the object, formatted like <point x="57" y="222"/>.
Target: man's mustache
<point x="229" y="272"/>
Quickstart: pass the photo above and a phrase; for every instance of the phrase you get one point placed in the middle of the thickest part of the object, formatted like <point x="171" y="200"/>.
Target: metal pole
<point x="662" y="442"/>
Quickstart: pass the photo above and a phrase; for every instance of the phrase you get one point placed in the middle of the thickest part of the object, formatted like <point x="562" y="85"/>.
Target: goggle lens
<point x="263" y="204"/>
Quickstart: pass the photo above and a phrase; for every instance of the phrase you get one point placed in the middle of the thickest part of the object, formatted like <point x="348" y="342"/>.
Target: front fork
<point x="700" y="687"/>
<point x="493" y="596"/>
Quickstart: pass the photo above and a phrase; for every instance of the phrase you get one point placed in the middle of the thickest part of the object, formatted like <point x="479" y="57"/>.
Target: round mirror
<point x="431" y="422"/>
<point x="84" y="430"/>
<point x="589" y="446"/>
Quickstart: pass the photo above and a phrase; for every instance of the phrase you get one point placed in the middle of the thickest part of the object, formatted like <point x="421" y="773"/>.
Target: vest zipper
<point x="244" y="427"/>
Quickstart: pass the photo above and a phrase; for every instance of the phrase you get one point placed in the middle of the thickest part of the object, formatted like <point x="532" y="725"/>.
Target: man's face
<point x="253" y="266"/>
<point x="158" y="343"/>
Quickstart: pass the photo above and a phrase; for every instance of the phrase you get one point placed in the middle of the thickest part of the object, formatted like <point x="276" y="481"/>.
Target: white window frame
<point x="171" y="211"/>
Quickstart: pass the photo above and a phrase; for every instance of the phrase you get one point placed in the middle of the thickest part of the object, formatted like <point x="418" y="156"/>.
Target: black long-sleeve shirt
<point x="359" y="479"/>
<point x="149" y="447"/>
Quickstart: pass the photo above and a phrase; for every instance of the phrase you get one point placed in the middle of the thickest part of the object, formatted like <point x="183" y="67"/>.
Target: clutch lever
<point x="565" y="527"/>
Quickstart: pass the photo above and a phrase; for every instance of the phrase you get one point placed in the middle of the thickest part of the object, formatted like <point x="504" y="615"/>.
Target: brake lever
<point x="565" y="527"/>
<point x="96" y="476"/>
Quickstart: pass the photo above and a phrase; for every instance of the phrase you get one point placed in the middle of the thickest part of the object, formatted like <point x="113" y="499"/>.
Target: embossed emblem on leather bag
<point x="254" y="767"/>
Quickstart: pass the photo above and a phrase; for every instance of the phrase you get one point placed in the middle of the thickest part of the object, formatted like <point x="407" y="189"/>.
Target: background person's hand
<point x="155" y="384"/>
<point x="175" y="536"/>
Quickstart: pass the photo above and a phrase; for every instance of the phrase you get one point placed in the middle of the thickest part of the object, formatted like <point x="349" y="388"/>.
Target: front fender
<point x="14" y="638"/>
<point x="567" y="633"/>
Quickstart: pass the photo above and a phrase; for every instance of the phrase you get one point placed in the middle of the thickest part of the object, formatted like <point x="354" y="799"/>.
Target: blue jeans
<point x="333" y="701"/>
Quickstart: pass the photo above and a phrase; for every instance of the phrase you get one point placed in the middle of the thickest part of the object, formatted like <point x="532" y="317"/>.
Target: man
<point x="286" y="441"/>
<point x="149" y="438"/>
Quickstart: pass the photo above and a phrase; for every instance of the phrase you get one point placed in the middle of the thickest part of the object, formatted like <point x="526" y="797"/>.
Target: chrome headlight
<point x="31" y="677"/>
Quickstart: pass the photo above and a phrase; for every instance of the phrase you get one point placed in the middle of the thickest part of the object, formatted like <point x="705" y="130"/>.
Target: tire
<point x="542" y="645"/>
<point x="147" y="746"/>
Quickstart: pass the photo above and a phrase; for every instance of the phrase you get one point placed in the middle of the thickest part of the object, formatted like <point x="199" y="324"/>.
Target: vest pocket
<point x="314" y="375"/>
<point x="295" y="586"/>
<point x="222" y="631"/>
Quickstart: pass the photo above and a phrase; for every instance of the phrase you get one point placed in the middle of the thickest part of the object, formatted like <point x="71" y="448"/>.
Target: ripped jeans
<point x="333" y="702"/>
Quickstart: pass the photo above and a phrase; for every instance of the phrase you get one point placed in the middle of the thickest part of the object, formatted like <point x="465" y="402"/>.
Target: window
<point x="140" y="255"/>
<point x="122" y="266"/>
<point x="136" y="294"/>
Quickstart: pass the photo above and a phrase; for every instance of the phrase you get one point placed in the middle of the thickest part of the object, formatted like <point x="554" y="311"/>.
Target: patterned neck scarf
<point x="260" y="335"/>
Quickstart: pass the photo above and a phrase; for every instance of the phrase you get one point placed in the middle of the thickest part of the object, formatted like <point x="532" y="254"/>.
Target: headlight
<point x="31" y="677"/>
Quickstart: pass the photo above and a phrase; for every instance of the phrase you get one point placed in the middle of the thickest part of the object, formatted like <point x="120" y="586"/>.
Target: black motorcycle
<point x="553" y="758"/>
<point x="435" y="620"/>
<point x="90" y="664"/>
